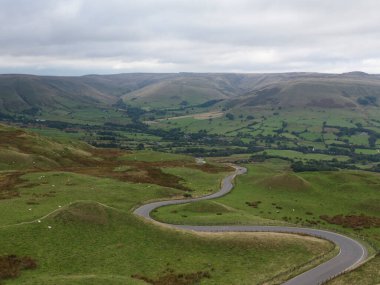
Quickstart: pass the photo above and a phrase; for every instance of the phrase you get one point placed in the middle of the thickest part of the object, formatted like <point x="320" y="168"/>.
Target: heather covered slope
<point x="21" y="149"/>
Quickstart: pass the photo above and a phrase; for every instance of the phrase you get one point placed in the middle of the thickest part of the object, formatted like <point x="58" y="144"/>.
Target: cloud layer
<point x="96" y="36"/>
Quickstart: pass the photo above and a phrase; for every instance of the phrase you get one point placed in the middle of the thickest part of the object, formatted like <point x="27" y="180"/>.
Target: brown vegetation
<point x="11" y="265"/>
<point x="211" y="168"/>
<point x="7" y="185"/>
<point x="49" y="155"/>
<point x="171" y="278"/>
<point x="253" y="204"/>
<point x="140" y="171"/>
<point x="353" y="221"/>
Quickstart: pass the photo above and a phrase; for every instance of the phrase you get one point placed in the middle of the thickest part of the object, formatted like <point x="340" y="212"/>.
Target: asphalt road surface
<point x="351" y="254"/>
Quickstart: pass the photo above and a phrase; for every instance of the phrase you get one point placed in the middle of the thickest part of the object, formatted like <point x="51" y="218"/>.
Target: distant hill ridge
<point x="29" y="93"/>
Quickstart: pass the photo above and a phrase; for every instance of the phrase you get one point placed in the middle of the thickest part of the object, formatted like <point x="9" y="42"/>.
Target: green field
<point x="303" y="156"/>
<point x="198" y="181"/>
<point x="91" y="243"/>
<point x="271" y="193"/>
<point x="108" y="144"/>
<point x="74" y="218"/>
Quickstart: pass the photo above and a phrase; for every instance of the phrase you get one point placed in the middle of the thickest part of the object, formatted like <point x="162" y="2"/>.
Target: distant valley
<point x="312" y="115"/>
<point x="79" y="154"/>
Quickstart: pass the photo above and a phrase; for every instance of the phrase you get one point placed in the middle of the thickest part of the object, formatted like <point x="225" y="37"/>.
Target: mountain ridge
<point x="30" y="93"/>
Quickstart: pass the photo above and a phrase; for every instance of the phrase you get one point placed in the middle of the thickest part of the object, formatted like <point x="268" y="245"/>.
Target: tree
<point x="140" y="146"/>
<point x="230" y="116"/>
<point x="372" y="140"/>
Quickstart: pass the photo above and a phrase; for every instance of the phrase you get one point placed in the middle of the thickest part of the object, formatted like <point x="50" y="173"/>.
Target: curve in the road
<point x="351" y="253"/>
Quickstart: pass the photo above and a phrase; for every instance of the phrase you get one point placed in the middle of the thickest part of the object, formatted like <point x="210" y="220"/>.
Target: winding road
<point x="351" y="253"/>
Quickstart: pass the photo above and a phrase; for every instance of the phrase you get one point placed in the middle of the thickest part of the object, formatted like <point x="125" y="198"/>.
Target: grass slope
<point x="87" y="243"/>
<point x="21" y="149"/>
<point x="174" y="93"/>
<point x="347" y="201"/>
<point x="76" y="222"/>
<point x="270" y="194"/>
<point x="24" y="92"/>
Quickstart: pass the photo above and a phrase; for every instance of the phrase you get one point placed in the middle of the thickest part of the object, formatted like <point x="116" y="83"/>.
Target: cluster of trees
<point x="230" y="116"/>
<point x="210" y="152"/>
<point x="372" y="135"/>
<point x="367" y="100"/>
<point x="5" y="117"/>
<point x="34" y="111"/>
<point x="202" y="143"/>
<point x="323" y="165"/>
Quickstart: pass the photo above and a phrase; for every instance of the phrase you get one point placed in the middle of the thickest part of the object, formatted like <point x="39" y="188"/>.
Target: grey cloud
<point x="84" y="36"/>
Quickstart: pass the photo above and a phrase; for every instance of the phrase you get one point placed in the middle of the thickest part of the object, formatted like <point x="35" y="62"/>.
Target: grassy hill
<point x="20" y="150"/>
<point x="207" y="114"/>
<point x="180" y="92"/>
<point x="29" y="94"/>
<point x="345" y="91"/>
<point x="23" y="151"/>
<point x="318" y="123"/>
<point x="67" y="219"/>
<point x="39" y="95"/>
<point x="271" y="194"/>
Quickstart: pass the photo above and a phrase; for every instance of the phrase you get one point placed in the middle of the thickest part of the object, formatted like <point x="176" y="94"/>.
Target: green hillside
<point x="299" y="134"/>
<point x="314" y="93"/>
<point x="32" y="93"/>
<point x="20" y="150"/>
<point x="67" y="218"/>
<point x="180" y="92"/>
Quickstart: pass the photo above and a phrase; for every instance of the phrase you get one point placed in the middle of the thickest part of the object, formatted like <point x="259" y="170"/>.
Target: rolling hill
<point x="308" y="122"/>
<point x="335" y="91"/>
<point x="29" y="94"/>
<point x="183" y="90"/>
<point x="21" y="149"/>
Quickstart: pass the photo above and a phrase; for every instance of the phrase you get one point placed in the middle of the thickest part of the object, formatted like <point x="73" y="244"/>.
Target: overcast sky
<point x="73" y="37"/>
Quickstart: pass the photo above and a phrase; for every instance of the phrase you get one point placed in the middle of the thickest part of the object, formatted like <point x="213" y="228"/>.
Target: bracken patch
<point x="253" y="204"/>
<point x="8" y="182"/>
<point x="11" y="265"/>
<point x="171" y="278"/>
<point x="353" y="221"/>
